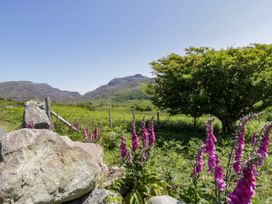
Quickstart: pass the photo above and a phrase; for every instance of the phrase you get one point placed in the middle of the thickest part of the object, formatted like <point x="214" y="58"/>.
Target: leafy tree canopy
<point x="227" y="83"/>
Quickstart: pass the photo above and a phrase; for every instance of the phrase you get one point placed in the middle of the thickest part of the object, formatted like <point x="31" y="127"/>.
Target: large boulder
<point x="165" y="199"/>
<point x="35" y="116"/>
<point x="39" y="166"/>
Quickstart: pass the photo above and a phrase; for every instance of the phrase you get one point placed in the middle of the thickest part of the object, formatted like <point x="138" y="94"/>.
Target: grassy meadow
<point x="177" y="141"/>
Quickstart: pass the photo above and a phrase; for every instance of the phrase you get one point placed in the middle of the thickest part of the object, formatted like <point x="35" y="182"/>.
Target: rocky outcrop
<point x="34" y="116"/>
<point x="39" y="166"/>
<point x="163" y="200"/>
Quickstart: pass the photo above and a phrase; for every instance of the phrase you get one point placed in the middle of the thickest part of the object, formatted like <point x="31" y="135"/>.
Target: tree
<point x="227" y="83"/>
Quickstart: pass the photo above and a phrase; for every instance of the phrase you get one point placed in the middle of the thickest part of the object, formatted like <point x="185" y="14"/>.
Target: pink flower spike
<point x="135" y="140"/>
<point x="30" y="125"/>
<point x="144" y="134"/>
<point x="95" y="134"/>
<point x="123" y="148"/>
<point x="239" y="151"/>
<point x="85" y="133"/>
<point x="199" y="167"/>
<point x="263" y="149"/>
<point x="210" y="146"/>
<point x="219" y="176"/>
<point x="245" y="188"/>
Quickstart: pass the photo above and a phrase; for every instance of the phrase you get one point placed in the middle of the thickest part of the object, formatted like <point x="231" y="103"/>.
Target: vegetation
<point x="172" y="157"/>
<point x="169" y="156"/>
<point x="227" y="83"/>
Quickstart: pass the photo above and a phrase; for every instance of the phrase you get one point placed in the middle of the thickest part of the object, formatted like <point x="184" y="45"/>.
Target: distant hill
<point x="120" y="89"/>
<point x="24" y="90"/>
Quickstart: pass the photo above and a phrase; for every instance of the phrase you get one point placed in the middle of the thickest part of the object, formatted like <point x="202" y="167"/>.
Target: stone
<point x="99" y="196"/>
<point x="35" y="115"/>
<point x="40" y="166"/>
<point x="165" y="199"/>
<point x="2" y="132"/>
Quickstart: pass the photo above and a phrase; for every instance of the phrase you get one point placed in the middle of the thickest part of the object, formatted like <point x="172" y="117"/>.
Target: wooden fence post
<point x="48" y="110"/>
<point x="110" y="118"/>
<point x="133" y="114"/>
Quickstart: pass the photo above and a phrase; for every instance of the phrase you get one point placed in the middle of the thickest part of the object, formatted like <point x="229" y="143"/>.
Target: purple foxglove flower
<point x="219" y="176"/>
<point x="85" y="133"/>
<point x="253" y="139"/>
<point x="239" y="151"/>
<point x="123" y="148"/>
<point x="130" y="157"/>
<point x="199" y="167"/>
<point x="245" y="188"/>
<point x="95" y="134"/>
<point x="144" y="134"/>
<point x="263" y="149"/>
<point x="30" y="125"/>
<point x="151" y="133"/>
<point x="210" y="146"/>
<point x="135" y="140"/>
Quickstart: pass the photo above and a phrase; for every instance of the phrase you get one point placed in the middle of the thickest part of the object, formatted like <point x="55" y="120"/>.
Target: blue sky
<point x="79" y="45"/>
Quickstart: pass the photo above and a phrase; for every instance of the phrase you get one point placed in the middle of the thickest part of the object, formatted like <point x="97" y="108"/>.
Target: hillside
<point x="120" y="89"/>
<point x="24" y="90"/>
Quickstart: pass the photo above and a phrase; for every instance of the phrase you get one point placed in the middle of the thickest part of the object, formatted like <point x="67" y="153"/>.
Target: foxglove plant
<point x="30" y="125"/>
<point x="199" y="167"/>
<point x="144" y="134"/>
<point x="95" y="134"/>
<point x="138" y="181"/>
<point x="239" y="151"/>
<point x="247" y="171"/>
<point x="210" y="146"/>
<point x="214" y="165"/>
<point x="123" y="148"/>
<point x="219" y="176"/>
<point x="90" y="136"/>
<point x="135" y="140"/>
<point x="245" y="188"/>
<point x="263" y="149"/>
<point x="86" y="134"/>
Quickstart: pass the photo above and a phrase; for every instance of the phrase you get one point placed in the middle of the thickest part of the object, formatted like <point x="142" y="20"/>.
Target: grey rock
<point x="101" y="196"/>
<point x="2" y="132"/>
<point x="165" y="199"/>
<point x="35" y="115"/>
<point x="98" y="196"/>
<point x="39" y="166"/>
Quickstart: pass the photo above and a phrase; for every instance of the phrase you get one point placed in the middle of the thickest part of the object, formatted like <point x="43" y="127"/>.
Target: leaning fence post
<point x="48" y="110"/>
<point x="110" y="118"/>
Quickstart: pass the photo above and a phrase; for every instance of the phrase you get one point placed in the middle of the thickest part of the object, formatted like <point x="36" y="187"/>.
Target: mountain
<point x="24" y="90"/>
<point x="120" y="89"/>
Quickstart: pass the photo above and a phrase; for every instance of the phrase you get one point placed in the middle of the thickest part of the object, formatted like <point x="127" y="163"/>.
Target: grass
<point x="177" y="140"/>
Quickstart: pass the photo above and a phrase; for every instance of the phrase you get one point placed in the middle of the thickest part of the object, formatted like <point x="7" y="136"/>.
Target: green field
<point x="177" y="140"/>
